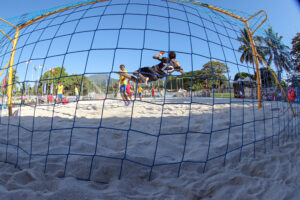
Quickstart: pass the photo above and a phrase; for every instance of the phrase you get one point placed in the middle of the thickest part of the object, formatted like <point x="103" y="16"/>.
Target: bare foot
<point x="146" y="80"/>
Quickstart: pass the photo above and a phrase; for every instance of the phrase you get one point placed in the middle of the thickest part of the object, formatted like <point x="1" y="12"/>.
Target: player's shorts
<point x="77" y="96"/>
<point x="60" y="96"/>
<point x="123" y="88"/>
<point x="150" y="73"/>
<point x="140" y="94"/>
<point x="128" y="92"/>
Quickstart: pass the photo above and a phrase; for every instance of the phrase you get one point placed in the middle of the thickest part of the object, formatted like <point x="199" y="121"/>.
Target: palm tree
<point x="15" y="80"/>
<point x="245" y="48"/>
<point x="296" y="51"/>
<point x="276" y="51"/>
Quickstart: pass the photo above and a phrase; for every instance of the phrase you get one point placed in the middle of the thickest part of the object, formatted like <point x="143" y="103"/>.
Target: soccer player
<point x="60" y="90"/>
<point x="128" y="90"/>
<point x="156" y="72"/>
<point x="153" y="93"/>
<point x="123" y="84"/>
<point x="291" y="94"/>
<point x="140" y="92"/>
<point x="76" y="92"/>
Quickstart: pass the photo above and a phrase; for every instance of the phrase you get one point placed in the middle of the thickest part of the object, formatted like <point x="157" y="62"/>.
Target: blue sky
<point x="281" y="16"/>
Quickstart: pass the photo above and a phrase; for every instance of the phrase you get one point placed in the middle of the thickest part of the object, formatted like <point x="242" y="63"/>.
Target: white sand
<point x="273" y="174"/>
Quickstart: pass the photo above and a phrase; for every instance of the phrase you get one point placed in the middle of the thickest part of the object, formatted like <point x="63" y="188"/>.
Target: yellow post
<point x="255" y="55"/>
<point x="10" y="79"/>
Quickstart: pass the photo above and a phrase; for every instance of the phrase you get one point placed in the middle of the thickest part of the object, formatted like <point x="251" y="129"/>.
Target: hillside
<point x="101" y="79"/>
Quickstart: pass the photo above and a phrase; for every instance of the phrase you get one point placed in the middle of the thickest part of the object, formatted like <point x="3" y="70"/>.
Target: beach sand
<point x="154" y="140"/>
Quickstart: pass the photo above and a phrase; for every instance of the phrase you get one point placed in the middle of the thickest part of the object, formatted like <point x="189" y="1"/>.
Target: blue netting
<point x="199" y="118"/>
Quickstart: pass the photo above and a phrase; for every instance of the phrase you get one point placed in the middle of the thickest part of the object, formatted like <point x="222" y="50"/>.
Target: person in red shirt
<point x="291" y="94"/>
<point x="50" y="98"/>
<point x="153" y="93"/>
<point x="128" y="90"/>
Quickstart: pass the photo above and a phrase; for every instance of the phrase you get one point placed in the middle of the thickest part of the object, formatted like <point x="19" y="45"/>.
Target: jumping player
<point x="156" y="72"/>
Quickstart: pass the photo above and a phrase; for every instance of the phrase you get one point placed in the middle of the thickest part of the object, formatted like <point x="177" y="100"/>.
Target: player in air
<point x="156" y="72"/>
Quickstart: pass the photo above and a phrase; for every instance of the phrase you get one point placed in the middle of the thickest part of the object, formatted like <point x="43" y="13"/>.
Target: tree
<point x="15" y="80"/>
<point x="68" y="82"/>
<point x="198" y="79"/>
<point x="211" y="72"/>
<point x="246" y="49"/>
<point x="276" y="52"/>
<point x="243" y="75"/>
<point x="267" y="78"/>
<point x="51" y="77"/>
<point x="215" y="70"/>
<point x="296" y="50"/>
<point x="73" y="80"/>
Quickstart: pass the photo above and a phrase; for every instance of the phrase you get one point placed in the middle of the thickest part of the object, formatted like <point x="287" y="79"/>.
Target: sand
<point x="164" y="139"/>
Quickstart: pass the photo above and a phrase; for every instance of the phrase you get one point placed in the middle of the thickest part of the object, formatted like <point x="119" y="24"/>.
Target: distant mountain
<point x="102" y="79"/>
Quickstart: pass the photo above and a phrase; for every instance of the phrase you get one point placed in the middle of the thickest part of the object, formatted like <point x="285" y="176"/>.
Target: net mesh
<point x="206" y="116"/>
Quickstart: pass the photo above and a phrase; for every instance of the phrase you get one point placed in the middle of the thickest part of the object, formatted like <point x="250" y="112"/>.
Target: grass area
<point x="222" y="95"/>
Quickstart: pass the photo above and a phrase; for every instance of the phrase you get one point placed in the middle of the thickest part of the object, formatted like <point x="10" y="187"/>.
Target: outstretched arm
<point x="178" y="68"/>
<point x="132" y="78"/>
<point x="158" y="55"/>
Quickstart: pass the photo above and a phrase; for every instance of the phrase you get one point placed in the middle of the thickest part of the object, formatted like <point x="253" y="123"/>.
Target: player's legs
<point x="60" y="97"/>
<point x="129" y="94"/>
<point x="148" y="74"/>
<point x="122" y="92"/>
<point x="145" y="75"/>
<point x="132" y="78"/>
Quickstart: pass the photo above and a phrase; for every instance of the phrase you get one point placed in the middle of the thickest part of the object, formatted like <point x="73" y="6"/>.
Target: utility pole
<point x="27" y="63"/>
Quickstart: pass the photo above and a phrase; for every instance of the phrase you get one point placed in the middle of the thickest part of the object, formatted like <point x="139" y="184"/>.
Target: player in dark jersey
<point x="165" y="67"/>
